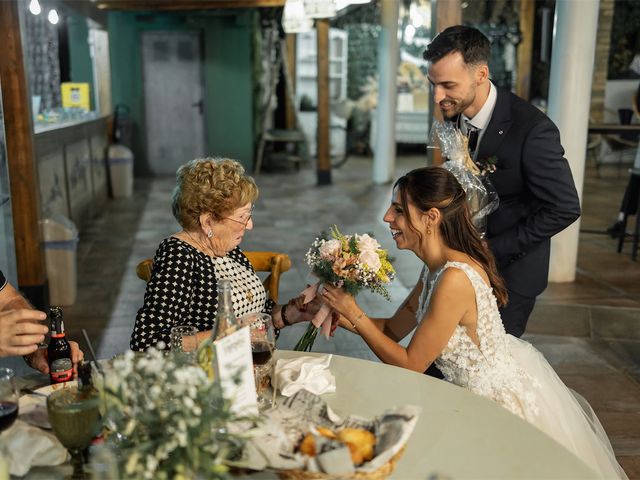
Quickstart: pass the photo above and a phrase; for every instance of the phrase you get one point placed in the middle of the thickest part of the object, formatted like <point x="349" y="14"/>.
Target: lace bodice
<point x="487" y="369"/>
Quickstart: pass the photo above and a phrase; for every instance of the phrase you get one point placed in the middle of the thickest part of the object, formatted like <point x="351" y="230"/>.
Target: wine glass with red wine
<point x="263" y="343"/>
<point x="8" y="399"/>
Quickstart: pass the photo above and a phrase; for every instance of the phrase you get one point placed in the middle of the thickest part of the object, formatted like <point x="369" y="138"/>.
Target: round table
<point x="458" y="435"/>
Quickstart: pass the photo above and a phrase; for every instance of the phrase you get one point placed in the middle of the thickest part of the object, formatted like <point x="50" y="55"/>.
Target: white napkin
<point x="29" y="446"/>
<point x="308" y="373"/>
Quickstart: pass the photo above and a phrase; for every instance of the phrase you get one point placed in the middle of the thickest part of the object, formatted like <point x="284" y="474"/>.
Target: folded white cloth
<point x="308" y="373"/>
<point x="29" y="446"/>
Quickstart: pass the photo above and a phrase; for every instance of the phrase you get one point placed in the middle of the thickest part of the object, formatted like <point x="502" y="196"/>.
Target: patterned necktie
<point x="472" y="135"/>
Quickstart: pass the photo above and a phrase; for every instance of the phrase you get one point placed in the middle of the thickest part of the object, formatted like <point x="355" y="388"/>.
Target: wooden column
<point x="448" y="13"/>
<point x="324" y="159"/>
<point x="601" y="66"/>
<point x="290" y="115"/>
<point x="525" y="49"/>
<point x="20" y="154"/>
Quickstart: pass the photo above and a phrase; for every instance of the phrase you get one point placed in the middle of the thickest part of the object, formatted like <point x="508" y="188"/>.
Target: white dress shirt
<point x="480" y="121"/>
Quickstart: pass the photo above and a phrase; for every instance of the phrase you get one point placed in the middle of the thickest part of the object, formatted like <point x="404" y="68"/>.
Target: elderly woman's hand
<point x="298" y="311"/>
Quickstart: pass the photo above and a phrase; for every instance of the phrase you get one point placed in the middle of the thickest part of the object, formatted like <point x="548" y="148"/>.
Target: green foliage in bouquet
<point x="167" y="420"/>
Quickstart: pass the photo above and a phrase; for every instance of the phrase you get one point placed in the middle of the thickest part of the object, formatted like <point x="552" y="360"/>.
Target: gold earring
<point x="428" y="231"/>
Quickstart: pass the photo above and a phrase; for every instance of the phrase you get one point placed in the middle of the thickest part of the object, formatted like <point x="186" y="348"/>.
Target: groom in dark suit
<point x="521" y="148"/>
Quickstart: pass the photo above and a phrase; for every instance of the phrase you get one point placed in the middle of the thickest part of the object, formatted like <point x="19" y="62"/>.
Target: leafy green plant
<point x="167" y="420"/>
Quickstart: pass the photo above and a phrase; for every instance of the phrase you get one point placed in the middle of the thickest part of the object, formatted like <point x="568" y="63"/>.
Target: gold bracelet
<point x="353" y="324"/>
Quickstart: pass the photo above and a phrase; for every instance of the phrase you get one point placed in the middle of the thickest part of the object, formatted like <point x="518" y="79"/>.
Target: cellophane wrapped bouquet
<point x="166" y="419"/>
<point x="353" y="262"/>
<point x="481" y="195"/>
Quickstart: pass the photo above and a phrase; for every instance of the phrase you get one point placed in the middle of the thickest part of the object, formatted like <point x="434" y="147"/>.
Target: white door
<point x="173" y="95"/>
<point x="99" y="44"/>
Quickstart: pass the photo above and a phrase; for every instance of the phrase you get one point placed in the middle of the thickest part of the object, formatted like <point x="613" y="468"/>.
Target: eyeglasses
<point x="246" y="221"/>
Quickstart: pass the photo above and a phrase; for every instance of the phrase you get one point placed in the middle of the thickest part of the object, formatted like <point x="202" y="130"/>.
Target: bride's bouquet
<point x="353" y="262"/>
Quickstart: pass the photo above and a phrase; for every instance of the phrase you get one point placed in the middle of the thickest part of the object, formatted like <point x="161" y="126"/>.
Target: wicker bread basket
<point x="381" y="473"/>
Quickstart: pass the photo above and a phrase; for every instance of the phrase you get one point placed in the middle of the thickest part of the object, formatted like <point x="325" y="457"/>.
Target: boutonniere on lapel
<point x="487" y="165"/>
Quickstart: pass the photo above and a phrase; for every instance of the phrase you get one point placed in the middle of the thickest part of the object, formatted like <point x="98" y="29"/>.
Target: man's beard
<point x="458" y="109"/>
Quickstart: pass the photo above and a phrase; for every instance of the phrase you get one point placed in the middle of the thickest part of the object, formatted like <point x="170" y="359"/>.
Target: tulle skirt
<point x="565" y="415"/>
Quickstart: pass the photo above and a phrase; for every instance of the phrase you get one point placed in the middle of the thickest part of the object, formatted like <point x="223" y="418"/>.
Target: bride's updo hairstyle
<point x="435" y="187"/>
<point x="210" y="185"/>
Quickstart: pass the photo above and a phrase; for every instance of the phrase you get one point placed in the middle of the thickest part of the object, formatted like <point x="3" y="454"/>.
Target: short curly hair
<point x="210" y="185"/>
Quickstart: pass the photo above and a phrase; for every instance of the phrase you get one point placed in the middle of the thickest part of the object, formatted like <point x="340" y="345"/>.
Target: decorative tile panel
<point x="52" y="183"/>
<point x="78" y="165"/>
<point x="98" y="167"/>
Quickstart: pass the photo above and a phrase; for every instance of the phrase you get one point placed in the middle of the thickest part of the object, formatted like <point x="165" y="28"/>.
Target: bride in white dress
<point x="454" y="312"/>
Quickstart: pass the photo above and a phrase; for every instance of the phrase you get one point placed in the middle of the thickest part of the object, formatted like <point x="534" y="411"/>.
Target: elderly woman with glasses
<point x="213" y="203"/>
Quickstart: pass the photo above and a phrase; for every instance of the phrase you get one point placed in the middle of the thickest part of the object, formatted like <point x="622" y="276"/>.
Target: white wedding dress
<point x="514" y="374"/>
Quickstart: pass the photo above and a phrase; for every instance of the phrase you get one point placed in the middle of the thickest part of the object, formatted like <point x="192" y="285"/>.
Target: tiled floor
<point x="292" y="210"/>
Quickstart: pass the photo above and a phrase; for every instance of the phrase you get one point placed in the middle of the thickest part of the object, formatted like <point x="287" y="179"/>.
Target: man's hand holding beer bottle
<point x="21" y="330"/>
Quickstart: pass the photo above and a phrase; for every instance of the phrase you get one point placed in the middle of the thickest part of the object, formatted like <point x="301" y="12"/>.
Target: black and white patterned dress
<point x="183" y="290"/>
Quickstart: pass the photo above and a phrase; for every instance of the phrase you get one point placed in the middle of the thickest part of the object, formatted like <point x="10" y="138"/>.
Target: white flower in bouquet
<point x="329" y="248"/>
<point x="366" y="243"/>
<point x="371" y="259"/>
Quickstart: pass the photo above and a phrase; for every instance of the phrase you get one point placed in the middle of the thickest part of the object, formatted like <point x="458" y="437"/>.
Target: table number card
<point x="233" y="357"/>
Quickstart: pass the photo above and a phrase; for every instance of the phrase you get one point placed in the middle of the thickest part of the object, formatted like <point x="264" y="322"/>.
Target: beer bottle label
<point x="61" y="370"/>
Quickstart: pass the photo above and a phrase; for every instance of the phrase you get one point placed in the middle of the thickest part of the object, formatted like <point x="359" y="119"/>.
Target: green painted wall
<point x="229" y="88"/>
<point x="228" y="78"/>
<point x="126" y="79"/>
<point x="79" y="56"/>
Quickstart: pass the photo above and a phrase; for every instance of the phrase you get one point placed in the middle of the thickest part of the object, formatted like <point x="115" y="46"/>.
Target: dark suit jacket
<point x="538" y="197"/>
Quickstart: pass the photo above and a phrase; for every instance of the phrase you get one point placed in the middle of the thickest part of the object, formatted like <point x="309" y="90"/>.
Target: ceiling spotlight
<point x="53" y="16"/>
<point x="34" y="7"/>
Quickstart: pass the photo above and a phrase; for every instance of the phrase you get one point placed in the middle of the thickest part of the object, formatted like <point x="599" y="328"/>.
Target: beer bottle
<point x="59" y="350"/>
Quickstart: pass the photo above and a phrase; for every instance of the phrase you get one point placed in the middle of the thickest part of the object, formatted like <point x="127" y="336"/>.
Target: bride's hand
<point x="338" y="320"/>
<point x="340" y="301"/>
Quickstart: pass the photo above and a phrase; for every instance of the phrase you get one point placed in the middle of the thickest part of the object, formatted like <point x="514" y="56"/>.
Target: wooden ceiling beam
<point x="87" y="9"/>
<point x="183" y="5"/>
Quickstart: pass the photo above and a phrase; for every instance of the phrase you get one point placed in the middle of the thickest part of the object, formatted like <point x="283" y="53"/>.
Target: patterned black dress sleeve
<point x="167" y="300"/>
